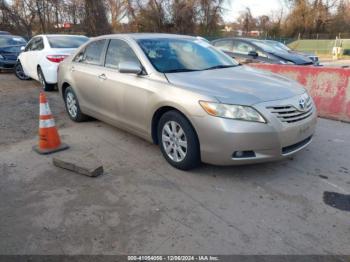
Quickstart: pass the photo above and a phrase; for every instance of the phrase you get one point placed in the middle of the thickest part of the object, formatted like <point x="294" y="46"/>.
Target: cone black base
<point x="50" y="151"/>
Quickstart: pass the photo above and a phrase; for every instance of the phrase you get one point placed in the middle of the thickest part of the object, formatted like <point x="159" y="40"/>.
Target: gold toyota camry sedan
<point x="180" y="92"/>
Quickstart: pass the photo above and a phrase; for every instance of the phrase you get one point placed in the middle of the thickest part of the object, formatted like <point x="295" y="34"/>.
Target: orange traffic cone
<point x="49" y="140"/>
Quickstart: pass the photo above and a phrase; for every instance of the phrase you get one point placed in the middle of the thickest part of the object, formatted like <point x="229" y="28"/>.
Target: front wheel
<point x="178" y="141"/>
<point x="72" y="106"/>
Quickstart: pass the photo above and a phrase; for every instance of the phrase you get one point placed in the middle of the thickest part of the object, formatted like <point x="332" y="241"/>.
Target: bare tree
<point x="96" y="22"/>
<point x="20" y="14"/>
<point x="118" y="11"/>
<point x="247" y="21"/>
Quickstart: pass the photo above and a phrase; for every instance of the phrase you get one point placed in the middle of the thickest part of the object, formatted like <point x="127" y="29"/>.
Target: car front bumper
<point x="220" y="139"/>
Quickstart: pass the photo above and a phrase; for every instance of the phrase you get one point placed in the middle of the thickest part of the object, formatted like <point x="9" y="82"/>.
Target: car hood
<point x="294" y="57"/>
<point x="238" y="85"/>
<point x="11" y="49"/>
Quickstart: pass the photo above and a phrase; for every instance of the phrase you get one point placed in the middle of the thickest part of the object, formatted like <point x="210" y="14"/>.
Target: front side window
<point x="93" y="52"/>
<point x="243" y="48"/>
<point x="119" y="51"/>
<point x="169" y="55"/>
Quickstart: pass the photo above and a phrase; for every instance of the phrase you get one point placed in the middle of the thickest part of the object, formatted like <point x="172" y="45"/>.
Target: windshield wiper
<point x="219" y="67"/>
<point x="179" y="70"/>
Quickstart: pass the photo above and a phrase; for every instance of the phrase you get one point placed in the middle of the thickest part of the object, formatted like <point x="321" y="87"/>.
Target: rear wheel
<point x="178" y="141"/>
<point x="72" y="106"/>
<point x="19" y="72"/>
<point x="44" y="85"/>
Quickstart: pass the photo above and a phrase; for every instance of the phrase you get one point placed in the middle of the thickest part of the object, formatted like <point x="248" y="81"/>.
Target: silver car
<point x="180" y="92"/>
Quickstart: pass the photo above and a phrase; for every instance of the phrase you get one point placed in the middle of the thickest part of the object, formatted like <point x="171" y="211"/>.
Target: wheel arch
<point x="158" y="114"/>
<point x="65" y="85"/>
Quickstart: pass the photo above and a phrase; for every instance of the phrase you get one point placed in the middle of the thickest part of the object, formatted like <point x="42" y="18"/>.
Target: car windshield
<point x="278" y="45"/>
<point x="266" y="47"/>
<point x="11" y="41"/>
<point x="184" y="55"/>
<point x="66" y="41"/>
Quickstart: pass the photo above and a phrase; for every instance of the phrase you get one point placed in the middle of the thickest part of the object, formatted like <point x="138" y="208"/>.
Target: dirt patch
<point x="19" y="109"/>
<point x="336" y="200"/>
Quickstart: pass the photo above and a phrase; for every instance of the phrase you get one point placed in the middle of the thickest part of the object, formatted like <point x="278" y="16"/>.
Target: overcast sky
<point x="257" y="7"/>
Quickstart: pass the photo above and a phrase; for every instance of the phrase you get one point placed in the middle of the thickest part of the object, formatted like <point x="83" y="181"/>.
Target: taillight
<point x="56" y="58"/>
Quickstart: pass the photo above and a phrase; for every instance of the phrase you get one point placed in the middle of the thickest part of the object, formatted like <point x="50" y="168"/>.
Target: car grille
<point x="290" y="114"/>
<point x="295" y="147"/>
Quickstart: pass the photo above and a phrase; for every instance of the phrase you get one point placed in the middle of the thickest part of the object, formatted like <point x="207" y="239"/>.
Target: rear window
<point x="11" y="41"/>
<point x="66" y="41"/>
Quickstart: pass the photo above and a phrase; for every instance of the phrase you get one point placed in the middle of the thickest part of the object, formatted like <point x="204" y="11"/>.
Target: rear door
<point x="31" y="56"/>
<point x="25" y="57"/>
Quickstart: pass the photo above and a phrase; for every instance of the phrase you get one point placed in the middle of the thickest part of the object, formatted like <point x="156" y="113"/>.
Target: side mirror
<point x="253" y="54"/>
<point x="130" y="68"/>
<point x="23" y="48"/>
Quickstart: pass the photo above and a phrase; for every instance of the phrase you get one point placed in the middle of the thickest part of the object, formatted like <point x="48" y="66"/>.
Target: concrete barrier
<point x="329" y="87"/>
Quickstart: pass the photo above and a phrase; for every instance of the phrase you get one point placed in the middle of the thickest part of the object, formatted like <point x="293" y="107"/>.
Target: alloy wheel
<point x="72" y="105"/>
<point x="174" y="141"/>
<point x="20" y="72"/>
<point x="41" y="80"/>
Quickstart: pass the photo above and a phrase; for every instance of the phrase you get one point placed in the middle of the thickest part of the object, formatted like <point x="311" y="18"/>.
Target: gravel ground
<point x="19" y="107"/>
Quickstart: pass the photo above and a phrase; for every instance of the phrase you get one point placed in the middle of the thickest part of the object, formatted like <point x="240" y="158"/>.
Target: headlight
<point x="1" y="57"/>
<point x="232" y="111"/>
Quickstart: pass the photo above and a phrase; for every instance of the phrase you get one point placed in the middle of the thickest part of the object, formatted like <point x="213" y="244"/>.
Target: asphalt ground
<point x="141" y="205"/>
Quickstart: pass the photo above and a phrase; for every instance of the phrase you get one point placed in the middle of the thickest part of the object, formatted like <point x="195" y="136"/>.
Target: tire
<point x="72" y="106"/>
<point x="19" y="72"/>
<point x="180" y="149"/>
<point x="44" y="85"/>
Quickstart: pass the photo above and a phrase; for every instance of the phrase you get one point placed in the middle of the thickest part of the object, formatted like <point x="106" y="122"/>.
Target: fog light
<point x="238" y="154"/>
<point x="243" y="154"/>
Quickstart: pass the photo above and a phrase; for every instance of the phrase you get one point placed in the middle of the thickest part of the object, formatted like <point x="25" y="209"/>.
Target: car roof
<point x="139" y="36"/>
<point x="59" y="35"/>
<point x="241" y="39"/>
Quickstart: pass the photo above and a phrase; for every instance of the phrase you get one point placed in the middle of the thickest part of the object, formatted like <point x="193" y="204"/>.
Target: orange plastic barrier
<point x="329" y="87"/>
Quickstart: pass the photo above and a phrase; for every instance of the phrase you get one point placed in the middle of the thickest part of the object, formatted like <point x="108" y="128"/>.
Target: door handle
<point x="72" y="69"/>
<point x="102" y="77"/>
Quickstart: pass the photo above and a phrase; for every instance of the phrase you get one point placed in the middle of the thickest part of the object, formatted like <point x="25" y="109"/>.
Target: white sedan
<point x="40" y="58"/>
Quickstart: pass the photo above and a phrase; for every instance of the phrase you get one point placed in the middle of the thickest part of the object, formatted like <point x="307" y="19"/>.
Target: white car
<point x="40" y="58"/>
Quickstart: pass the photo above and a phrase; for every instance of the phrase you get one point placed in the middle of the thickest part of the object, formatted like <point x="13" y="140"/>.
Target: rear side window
<point x="93" y="52"/>
<point x="119" y="51"/>
<point x="224" y="45"/>
<point x="36" y="44"/>
<point x="39" y="45"/>
<point x="66" y="41"/>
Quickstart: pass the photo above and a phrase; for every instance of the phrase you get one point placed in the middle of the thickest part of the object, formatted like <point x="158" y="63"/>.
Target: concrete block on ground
<point x="85" y="164"/>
